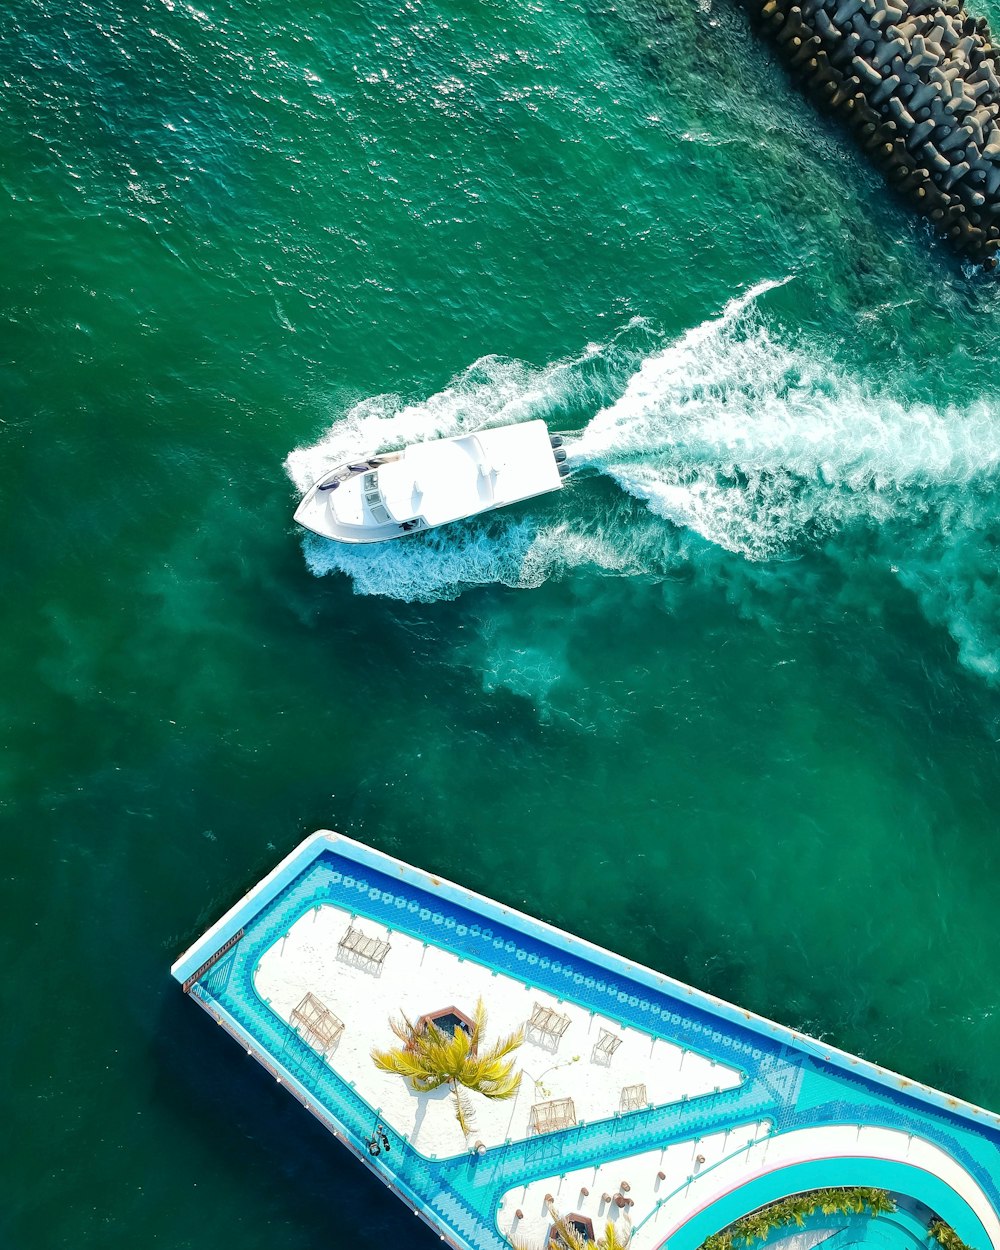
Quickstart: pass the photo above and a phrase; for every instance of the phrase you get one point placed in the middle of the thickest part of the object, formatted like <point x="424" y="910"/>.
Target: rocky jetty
<point x="918" y="83"/>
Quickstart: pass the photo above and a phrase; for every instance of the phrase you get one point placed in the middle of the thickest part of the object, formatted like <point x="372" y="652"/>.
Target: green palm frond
<point x="431" y="1058"/>
<point x="463" y="1112"/>
<point x="478" y="1021"/>
<point x="399" y="1061"/>
<point x="403" y="1063"/>
<point x="404" y="1029"/>
<point x="570" y="1240"/>
<point x="946" y="1236"/>
<point x="613" y="1238"/>
<point x="499" y="1086"/>
<point x="880" y="1202"/>
<point x="507" y="1045"/>
<point x="564" y="1236"/>
<point x="491" y="1072"/>
<point x="757" y="1225"/>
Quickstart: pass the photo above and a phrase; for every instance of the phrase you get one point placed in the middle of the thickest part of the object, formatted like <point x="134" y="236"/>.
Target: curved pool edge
<point x="795" y="1178"/>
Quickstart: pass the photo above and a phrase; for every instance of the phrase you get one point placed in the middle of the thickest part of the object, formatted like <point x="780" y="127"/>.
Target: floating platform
<point x="642" y="1101"/>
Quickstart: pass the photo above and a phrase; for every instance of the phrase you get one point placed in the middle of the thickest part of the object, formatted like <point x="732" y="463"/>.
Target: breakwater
<point x="918" y="84"/>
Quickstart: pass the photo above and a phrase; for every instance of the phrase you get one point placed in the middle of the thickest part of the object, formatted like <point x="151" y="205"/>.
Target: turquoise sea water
<point x="729" y="705"/>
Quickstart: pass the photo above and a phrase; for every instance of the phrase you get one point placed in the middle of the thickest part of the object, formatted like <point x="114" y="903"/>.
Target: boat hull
<point x="431" y="484"/>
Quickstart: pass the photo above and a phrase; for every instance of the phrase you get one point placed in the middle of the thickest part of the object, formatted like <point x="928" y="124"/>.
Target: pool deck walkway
<point x="700" y="1112"/>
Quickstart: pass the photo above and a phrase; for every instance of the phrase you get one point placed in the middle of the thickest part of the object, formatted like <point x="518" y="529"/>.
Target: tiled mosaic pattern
<point x="784" y="1084"/>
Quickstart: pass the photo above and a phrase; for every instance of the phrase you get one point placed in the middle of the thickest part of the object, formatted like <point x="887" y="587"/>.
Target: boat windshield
<point x="373" y="498"/>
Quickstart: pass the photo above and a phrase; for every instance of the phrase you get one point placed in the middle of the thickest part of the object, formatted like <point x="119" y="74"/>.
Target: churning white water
<point x="760" y="447"/>
<point x="731" y="436"/>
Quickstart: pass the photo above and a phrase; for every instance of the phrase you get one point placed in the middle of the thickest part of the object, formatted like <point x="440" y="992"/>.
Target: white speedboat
<point x="432" y="483"/>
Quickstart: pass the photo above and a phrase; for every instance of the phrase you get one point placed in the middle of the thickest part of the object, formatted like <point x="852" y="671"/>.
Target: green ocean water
<point x="729" y="704"/>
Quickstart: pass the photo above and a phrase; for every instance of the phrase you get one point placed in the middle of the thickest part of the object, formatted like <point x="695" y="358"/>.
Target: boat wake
<point x="764" y="450"/>
<point x="730" y="443"/>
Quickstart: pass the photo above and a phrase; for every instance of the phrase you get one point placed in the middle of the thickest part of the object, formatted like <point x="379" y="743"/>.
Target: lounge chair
<point x="633" y="1098"/>
<point x="547" y="1022"/>
<point x="370" y="949"/>
<point x="317" y="1023"/>
<point x="605" y="1046"/>
<point x="548" y="1117"/>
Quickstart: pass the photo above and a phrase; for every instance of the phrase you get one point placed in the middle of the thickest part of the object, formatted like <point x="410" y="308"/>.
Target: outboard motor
<point x="564" y="470"/>
<point x="556" y="440"/>
<point x="560" y="455"/>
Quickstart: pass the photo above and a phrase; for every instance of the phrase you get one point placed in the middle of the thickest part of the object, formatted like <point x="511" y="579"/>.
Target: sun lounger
<point x="548" y="1022"/>
<point x="547" y="1117"/>
<point x="356" y="942"/>
<point x="606" y="1045"/>
<point x="633" y="1098"/>
<point x="317" y="1023"/>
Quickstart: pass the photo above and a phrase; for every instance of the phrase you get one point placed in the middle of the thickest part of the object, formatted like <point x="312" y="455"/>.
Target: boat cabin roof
<point x="437" y="481"/>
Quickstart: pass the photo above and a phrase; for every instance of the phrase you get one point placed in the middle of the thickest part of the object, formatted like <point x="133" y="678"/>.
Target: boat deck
<point x="683" y="1113"/>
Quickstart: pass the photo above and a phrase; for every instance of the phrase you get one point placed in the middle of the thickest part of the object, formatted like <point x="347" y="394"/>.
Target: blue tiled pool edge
<point x="314" y="846"/>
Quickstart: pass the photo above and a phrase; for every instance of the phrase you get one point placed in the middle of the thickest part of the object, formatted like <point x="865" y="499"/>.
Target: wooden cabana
<point x="547" y="1022"/>
<point x="317" y="1023"/>
<point x="368" y="949"/>
<point x="548" y="1117"/>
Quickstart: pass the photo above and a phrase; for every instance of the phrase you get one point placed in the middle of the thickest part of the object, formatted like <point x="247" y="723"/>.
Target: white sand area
<point x="418" y="979"/>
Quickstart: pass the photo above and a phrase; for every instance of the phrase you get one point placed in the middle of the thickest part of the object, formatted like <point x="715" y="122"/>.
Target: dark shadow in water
<point x="263" y="1141"/>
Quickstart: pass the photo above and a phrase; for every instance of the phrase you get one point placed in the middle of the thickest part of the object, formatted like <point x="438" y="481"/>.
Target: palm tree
<point x="758" y="1225"/>
<point x="946" y="1236"/>
<point x="566" y="1236"/>
<point x="880" y="1202"/>
<point x="429" y="1058"/>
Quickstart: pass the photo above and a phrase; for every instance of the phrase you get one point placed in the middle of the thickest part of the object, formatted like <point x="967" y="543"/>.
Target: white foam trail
<point x="489" y="551"/>
<point x="676" y="375"/>
<point x="757" y="447"/>
<point x="734" y="436"/>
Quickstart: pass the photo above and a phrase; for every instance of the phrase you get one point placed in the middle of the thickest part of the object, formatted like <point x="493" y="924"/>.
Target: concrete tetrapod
<point x="918" y="83"/>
